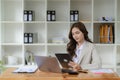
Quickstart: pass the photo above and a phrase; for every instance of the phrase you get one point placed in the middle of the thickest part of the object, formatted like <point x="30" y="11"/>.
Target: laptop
<point x="47" y="64"/>
<point x="64" y="59"/>
<point x="50" y="64"/>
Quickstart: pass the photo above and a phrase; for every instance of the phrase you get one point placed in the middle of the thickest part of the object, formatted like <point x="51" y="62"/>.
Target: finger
<point x="72" y="63"/>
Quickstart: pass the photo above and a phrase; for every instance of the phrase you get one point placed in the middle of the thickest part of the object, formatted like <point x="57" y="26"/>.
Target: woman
<point x="81" y="48"/>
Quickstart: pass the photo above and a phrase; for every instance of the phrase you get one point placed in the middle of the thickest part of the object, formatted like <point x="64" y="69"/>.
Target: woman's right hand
<point x="75" y="66"/>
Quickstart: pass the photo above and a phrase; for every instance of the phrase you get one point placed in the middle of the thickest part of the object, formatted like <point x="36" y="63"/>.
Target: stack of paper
<point x="102" y="71"/>
<point x="29" y="69"/>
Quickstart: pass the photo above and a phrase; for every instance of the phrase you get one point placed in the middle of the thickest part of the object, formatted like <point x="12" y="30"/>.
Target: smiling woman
<point x="82" y="49"/>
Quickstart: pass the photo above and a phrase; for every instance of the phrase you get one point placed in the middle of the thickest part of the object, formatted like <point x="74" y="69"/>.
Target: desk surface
<point x="38" y="75"/>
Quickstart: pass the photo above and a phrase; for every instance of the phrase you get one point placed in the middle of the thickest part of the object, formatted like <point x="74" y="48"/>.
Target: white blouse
<point x="78" y="53"/>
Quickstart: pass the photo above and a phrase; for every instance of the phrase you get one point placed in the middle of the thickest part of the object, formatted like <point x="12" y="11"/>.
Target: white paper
<point x="28" y="69"/>
<point x="102" y="71"/>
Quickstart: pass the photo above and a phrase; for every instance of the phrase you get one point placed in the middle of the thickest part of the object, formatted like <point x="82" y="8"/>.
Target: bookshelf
<point x="13" y="27"/>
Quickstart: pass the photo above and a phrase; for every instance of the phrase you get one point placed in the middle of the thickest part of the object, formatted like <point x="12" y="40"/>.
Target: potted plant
<point x="2" y="68"/>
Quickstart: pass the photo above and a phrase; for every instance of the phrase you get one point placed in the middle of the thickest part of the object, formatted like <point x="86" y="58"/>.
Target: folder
<point x="111" y="34"/>
<point x="106" y="36"/>
<point x="101" y="34"/>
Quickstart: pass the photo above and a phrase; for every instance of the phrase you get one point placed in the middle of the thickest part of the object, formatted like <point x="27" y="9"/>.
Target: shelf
<point x="108" y="66"/>
<point x="11" y="22"/>
<point x="96" y="30"/>
<point x="56" y="49"/>
<point x="118" y="71"/>
<point x="38" y="30"/>
<point x="61" y="7"/>
<point x="11" y="10"/>
<point x="118" y="55"/>
<point x="83" y="21"/>
<point x="51" y="37"/>
<point x="60" y="31"/>
<point x="100" y="44"/>
<point x="104" y="21"/>
<point x="9" y="31"/>
<point x="36" y="49"/>
<point x="10" y="44"/>
<point x="56" y="44"/>
<point x="117" y="33"/>
<point x="38" y="7"/>
<point x="104" y="8"/>
<point x="12" y="50"/>
<point x="58" y="22"/>
<point x="84" y="7"/>
<point x="107" y="52"/>
<point x="34" y="22"/>
<point x="118" y="10"/>
<point x="13" y="65"/>
<point x="35" y="44"/>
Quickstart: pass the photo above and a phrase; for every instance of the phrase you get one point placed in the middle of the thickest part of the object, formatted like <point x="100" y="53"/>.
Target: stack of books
<point x="106" y="33"/>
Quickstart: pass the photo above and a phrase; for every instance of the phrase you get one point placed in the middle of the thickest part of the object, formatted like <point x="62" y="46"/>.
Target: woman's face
<point x="77" y="35"/>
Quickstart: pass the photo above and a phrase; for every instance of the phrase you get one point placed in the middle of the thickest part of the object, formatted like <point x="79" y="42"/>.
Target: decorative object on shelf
<point x="106" y="33"/>
<point x="74" y="15"/>
<point x="51" y="15"/>
<point x="58" y="39"/>
<point x="12" y="60"/>
<point x="28" y="37"/>
<point x="28" y="15"/>
<point x="25" y="15"/>
<point x="105" y="19"/>
<point x="29" y="58"/>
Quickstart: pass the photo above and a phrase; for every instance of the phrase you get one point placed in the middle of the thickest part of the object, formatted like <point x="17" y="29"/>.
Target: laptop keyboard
<point x="69" y="71"/>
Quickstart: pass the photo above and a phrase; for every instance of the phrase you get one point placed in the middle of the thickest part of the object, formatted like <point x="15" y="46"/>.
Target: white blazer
<point x="89" y="58"/>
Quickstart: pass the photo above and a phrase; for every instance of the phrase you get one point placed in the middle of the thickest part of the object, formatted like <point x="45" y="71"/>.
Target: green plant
<point x="2" y="68"/>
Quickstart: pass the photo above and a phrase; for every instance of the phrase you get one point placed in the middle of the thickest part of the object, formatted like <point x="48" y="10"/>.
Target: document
<point x="102" y="71"/>
<point x="27" y="69"/>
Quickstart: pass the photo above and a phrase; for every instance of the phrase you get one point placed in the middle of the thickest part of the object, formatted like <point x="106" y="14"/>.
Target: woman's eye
<point x="77" y="32"/>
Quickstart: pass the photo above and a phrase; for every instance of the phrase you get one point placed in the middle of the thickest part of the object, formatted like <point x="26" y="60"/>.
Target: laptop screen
<point x="63" y="59"/>
<point x="47" y="64"/>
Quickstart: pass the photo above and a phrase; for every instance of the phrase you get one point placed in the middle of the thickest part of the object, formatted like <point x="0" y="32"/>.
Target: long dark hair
<point x="71" y="46"/>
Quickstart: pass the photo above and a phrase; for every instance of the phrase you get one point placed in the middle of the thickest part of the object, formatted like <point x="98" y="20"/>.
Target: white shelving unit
<point x="13" y="27"/>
